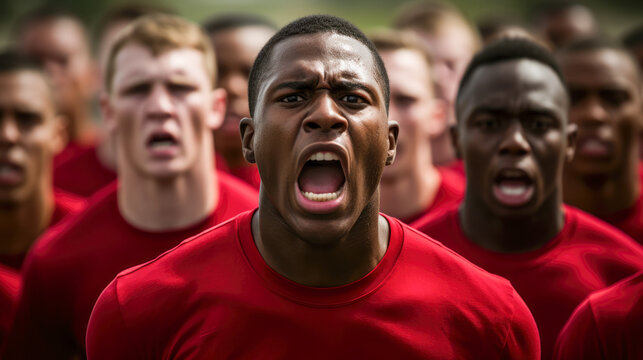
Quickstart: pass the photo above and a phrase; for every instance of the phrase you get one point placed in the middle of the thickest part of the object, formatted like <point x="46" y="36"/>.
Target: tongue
<point x="321" y="178"/>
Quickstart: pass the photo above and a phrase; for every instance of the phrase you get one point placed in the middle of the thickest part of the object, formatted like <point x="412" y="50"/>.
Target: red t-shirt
<point x="587" y="255"/>
<point x="607" y="325"/>
<point x="64" y="274"/>
<point x="9" y="288"/>
<point x="249" y="174"/>
<point x="214" y="297"/>
<point x="83" y="174"/>
<point x="450" y="194"/>
<point x="64" y="205"/>
<point x="70" y="151"/>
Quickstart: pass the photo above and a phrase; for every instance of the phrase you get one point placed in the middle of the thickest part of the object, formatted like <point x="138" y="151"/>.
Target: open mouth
<point x="322" y="178"/>
<point x="593" y="147"/>
<point x="161" y="140"/>
<point x="10" y="174"/>
<point x="513" y="187"/>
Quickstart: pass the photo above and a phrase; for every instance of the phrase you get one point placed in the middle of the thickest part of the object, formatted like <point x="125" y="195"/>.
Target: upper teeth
<point x="323" y="156"/>
<point x="6" y="169"/>
<point x="513" y="190"/>
<point x="321" y="197"/>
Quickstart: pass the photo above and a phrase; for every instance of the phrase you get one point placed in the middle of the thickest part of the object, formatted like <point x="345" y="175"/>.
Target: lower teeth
<point x="320" y="197"/>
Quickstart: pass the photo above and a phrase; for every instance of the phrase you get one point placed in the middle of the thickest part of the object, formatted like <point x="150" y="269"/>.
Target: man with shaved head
<point x="316" y="269"/>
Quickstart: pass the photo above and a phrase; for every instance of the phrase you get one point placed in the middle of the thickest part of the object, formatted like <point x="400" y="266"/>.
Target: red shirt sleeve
<point x="523" y="340"/>
<point x="107" y="336"/>
<point x="580" y="339"/>
<point x="35" y="322"/>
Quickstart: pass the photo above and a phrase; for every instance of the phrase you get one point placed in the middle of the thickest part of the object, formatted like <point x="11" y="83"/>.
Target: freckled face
<point x="321" y="96"/>
<point x="512" y="127"/>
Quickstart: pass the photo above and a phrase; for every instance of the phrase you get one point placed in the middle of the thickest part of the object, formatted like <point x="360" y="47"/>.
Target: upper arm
<point x="523" y="340"/>
<point x="107" y="336"/>
<point x="579" y="339"/>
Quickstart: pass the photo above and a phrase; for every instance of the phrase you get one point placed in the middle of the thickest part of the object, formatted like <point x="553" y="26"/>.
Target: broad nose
<point x="159" y="103"/>
<point x="590" y="112"/>
<point x="325" y="115"/>
<point x="514" y="141"/>
<point x="9" y="132"/>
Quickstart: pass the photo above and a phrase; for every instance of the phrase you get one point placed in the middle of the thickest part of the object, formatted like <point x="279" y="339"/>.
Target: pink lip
<point x="319" y="207"/>
<point x="593" y="147"/>
<point x="15" y="177"/>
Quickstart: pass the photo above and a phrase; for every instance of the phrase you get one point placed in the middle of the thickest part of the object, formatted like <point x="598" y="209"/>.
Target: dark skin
<point x="606" y="105"/>
<point x="321" y="92"/>
<point x="512" y="117"/>
<point x="31" y="132"/>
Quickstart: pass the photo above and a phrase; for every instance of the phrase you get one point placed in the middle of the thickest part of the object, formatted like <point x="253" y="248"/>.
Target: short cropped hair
<point x="393" y="40"/>
<point x="633" y="37"/>
<point x="597" y="43"/>
<point x="48" y="13"/>
<point x="160" y="33"/>
<point x="309" y="25"/>
<point x="235" y="21"/>
<point x="508" y="49"/>
<point x="12" y="60"/>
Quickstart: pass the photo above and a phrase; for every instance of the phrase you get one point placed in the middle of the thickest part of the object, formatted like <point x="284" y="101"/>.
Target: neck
<point x="21" y="224"/>
<point x="78" y="126"/>
<point x="411" y="193"/>
<point x="169" y="204"/>
<point x="339" y="262"/>
<point x="516" y="234"/>
<point x="603" y="194"/>
<point x="105" y="150"/>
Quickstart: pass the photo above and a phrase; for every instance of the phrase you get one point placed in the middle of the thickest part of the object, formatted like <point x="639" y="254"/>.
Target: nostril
<point x="312" y="125"/>
<point x="337" y="126"/>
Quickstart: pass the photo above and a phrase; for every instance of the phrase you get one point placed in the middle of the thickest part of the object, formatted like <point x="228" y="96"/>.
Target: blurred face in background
<point x="30" y="135"/>
<point x="414" y="107"/>
<point x="452" y="47"/>
<point x="60" y="44"/>
<point x="236" y="50"/>
<point x="563" y="26"/>
<point x="605" y="95"/>
<point x="161" y="110"/>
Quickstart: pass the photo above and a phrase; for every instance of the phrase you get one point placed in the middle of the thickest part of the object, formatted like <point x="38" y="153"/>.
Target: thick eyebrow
<point x="336" y="85"/>
<point x="502" y="111"/>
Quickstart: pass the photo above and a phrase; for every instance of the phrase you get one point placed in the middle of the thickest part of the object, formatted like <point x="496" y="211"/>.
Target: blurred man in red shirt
<point x="412" y="187"/>
<point x="514" y="135"/>
<point x="161" y="107"/>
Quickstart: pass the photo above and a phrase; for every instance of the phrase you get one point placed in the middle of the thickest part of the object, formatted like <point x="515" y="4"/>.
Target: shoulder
<point x="191" y="257"/>
<point x="452" y="270"/>
<point x="61" y="242"/>
<point x="464" y="287"/>
<point x="585" y="227"/>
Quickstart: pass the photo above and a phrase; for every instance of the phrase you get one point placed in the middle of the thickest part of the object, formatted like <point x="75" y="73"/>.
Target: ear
<point x="107" y="113"/>
<point x="393" y="131"/>
<point x="247" y="129"/>
<point x="438" y="122"/>
<point x="572" y="131"/>
<point x="59" y="136"/>
<point x="218" y="100"/>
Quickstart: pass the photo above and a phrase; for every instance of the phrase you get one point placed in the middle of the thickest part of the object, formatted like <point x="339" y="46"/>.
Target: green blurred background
<point x="615" y="16"/>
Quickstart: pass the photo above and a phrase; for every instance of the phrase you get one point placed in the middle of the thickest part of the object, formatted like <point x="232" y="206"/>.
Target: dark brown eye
<point x="291" y="98"/>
